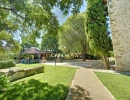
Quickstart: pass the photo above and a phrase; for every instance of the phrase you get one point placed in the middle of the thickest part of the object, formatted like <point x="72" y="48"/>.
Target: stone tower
<point x="119" y="12"/>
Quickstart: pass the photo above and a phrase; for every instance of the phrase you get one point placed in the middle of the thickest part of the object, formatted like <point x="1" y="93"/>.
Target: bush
<point x="3" y="82"/>
<point x="6" y="56"/>
<point x="35" y="90"/>
<point x="7" y="64"/>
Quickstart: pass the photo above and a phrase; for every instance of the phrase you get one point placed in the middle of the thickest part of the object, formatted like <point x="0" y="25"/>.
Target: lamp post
<point x="55" y="52"/>
<point x="55" y="59"/>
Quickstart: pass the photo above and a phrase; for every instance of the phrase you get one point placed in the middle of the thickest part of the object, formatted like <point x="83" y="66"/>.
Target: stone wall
<point x="15" y="74"/>
<point x="119" y="12"/>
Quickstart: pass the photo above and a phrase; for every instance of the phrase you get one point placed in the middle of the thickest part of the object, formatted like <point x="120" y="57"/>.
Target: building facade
<point x="119" y="12"/>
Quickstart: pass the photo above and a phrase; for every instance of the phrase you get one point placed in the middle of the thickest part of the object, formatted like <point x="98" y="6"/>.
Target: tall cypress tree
<point x="96" y="30"/>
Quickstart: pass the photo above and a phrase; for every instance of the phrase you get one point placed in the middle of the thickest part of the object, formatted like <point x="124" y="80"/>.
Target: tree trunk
<point x="83" y="56"/>
<point x="106" y="62"/>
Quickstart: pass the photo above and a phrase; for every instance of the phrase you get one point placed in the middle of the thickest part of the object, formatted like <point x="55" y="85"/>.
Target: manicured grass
<point x="53" y="74"/>
<point x="117" y="84"/>
<point x="22" y="66"/>
<point x="52" y="85"/>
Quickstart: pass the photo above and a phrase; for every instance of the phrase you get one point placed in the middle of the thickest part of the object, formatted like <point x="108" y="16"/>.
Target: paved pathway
<point x="86" y="86"/>
<point x="94" y="64"/>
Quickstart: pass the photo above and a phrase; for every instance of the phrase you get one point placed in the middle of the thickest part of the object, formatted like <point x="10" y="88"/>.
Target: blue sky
<point x="63" y="18"/>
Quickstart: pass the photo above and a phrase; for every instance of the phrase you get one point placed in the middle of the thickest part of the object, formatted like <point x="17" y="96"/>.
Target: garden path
<point x="86" y="86"/>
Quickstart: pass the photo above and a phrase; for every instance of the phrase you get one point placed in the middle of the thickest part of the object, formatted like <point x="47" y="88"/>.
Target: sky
<point x="63" y="18"/>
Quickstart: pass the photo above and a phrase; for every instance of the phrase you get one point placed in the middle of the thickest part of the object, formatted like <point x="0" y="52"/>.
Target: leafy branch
<point x="12" y="10"/>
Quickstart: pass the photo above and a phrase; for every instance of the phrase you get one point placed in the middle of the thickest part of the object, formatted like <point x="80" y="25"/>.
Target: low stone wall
<point x="15" y="74"/>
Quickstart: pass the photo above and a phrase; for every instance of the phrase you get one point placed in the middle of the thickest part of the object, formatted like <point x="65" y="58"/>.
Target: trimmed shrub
<point x="35" y="90"/>
<point x="7" y="64"/>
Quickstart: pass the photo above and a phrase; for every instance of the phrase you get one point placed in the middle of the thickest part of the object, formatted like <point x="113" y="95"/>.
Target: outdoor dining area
<point x="33" y="55"/>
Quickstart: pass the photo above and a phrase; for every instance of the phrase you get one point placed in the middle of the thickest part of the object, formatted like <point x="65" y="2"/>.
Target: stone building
<point x="119" y="12"/>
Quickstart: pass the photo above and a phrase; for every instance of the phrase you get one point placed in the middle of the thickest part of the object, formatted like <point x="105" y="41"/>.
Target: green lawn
<point x="53" y="74"/>
<point x="22" y="66"/>
<point x="53" y="84"/>
<point x="117" y="84"/>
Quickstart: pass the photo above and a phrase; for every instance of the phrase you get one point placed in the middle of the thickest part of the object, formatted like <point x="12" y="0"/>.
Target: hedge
<point x="7" y="64"/>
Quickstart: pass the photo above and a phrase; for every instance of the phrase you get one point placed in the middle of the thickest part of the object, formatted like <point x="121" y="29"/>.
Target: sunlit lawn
<point x="22" y="66"/>
<point x="117" y="84"/>
<point x="53" y="74"/>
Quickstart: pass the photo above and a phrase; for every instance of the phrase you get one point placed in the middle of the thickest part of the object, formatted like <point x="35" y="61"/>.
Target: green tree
<point x="38" y="14"/>
<point x="26" y="17"/>
<point x="7" y="42"/>
<point x="72" y="37"/>
<point x="33" y="15"/>
<point x="96" y="31"/>
<point x="49" y="43"/>
<point x="28" y="40"/>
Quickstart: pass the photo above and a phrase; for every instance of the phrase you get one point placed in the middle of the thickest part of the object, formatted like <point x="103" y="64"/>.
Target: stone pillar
<point x="119" y="12"/>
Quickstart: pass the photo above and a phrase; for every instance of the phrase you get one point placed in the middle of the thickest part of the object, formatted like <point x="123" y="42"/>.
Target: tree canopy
<point x="6" y="40"/>
<point x="49" y="43"/>
<point x="32" y="16"/>
<point x="72" y="37"/>
<point x="38" y="13"/>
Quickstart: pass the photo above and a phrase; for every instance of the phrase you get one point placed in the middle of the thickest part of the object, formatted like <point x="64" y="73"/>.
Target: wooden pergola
<point x="33" y="55"/>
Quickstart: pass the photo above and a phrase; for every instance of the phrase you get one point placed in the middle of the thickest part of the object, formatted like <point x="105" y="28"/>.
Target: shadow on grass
<point x="78" y="93"/>
<point x="127" y="73"/>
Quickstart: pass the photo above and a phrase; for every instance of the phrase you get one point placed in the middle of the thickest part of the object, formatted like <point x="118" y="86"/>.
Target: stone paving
<point x="94" y="64"/>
